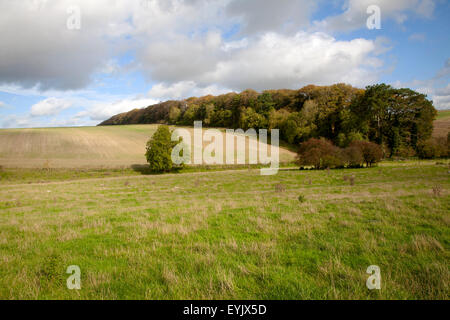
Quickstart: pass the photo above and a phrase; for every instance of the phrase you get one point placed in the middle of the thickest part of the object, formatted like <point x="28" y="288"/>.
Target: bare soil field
<point x="81" y="147"/>
<point x="442" y="124"/>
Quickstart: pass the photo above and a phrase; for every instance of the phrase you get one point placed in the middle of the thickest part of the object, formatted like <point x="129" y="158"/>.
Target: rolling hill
<point x="81" y="147"/>
<point x="442" y="124"/>
<point x="102" y="146"/>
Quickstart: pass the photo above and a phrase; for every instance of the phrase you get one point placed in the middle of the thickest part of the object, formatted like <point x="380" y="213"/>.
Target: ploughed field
<point x="442" y="124"/>
<point x="225" y="235"/>
<point x="83" y="147"/>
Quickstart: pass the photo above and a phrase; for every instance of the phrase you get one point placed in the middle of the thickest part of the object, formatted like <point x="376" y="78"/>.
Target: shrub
<point x="159" y="150"/>
<point x="443" y="146"/>
<point x="322" y="154"/>
<point x="301" y="198"/>
<point x="319" y="153"/>
<point x="432" y="148"/>
<point x="353" y="157"/>
<point x="371" y="152"/>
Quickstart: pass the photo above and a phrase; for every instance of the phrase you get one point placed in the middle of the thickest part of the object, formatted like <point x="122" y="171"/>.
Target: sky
<point x="79" y="62"/>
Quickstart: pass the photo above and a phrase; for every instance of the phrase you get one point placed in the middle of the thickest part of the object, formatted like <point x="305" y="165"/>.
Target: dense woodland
<point x="399" y="120"/>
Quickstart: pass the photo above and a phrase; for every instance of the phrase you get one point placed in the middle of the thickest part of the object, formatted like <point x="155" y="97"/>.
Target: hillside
<point x="396" y="118"/>
<point x="442" y="124"/>
<point x="82" y="147"/>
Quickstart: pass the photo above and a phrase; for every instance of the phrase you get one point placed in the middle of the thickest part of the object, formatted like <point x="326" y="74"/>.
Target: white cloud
<point x="277" y="61"/>
<point x="268" y="61"/>
<point x="355" y="13"/>
<point x="183" y="89"/>
<point x="38" y="51"/>
<point x="171" y="44"/>
<point x="19" y="121"/>
<point x="2" y="104"/>
<point x="441" y="98"/>
<point x="103" y="110"/>
<point x="180" y="46"/>
<point x="49" y="107"/>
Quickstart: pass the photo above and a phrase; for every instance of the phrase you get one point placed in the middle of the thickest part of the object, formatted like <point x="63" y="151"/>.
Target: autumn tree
<point x="371" y="152"/>
<point x="319" y="153"/>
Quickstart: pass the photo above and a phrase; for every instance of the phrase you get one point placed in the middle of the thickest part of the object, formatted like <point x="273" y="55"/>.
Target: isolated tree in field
<point x="159" y="150"/>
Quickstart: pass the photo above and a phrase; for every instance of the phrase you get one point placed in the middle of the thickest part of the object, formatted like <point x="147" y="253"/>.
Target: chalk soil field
<point x="81" y="147"/>
<point x="228" y="235"/>
<point x="442" y="124"/>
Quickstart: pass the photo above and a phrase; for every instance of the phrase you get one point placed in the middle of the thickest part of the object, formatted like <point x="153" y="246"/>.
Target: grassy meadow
<point x="226" y="234"/>
<point x="79" y="196"/>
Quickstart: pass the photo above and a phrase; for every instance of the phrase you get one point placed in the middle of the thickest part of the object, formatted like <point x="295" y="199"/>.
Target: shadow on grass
<point x="145" y="170"/>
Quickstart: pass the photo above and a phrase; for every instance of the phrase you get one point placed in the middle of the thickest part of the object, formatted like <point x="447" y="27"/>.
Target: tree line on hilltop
<point x="400" y="121"/>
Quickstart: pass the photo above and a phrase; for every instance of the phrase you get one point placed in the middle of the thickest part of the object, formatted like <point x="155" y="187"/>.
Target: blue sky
<point x="79" y="66"/>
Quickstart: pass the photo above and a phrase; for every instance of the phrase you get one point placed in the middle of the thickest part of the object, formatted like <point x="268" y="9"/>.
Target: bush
<point x="371" y="152"/>
<point x="159" y="150"/>
<point x="432" y="148"/>
<point x="319" y="153"/>
<point x="322" y="154"/>
<point x="353" y="157"/>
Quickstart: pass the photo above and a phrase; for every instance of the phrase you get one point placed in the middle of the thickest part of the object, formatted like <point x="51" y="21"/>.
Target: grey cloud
<point x="281" y="15"/>
<point x="39" y="50"/>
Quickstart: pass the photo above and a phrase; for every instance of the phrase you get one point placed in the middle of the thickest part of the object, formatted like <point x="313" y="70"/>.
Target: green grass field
<point x="226" y="235"/>
<point x="443" y="114"/>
